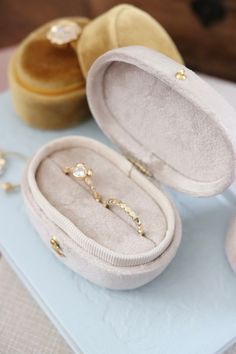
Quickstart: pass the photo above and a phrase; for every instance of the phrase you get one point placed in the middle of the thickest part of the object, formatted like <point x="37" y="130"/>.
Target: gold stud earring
<point x="181" y="75"/>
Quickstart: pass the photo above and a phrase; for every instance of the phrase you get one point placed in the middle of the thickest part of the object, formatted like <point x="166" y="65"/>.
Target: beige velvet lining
<point x="166" y="123"/>
<point x="86" y="264"/>
<point x="174" y="127"/>
<point x="112" y="229"/>
<point x="109" y="234"/>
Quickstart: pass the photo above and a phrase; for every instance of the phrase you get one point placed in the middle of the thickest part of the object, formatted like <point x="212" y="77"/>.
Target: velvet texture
<point x="183" y="131"/>
<point x="122" y="26"/>
<point x="53" y="210"/>
<point x="47" y="84"/>
<point x="98" y="221"/>
<point x="230" y="244"/>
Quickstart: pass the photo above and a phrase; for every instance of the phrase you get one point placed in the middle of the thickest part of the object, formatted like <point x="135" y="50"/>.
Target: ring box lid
<point x="172" y="123"/>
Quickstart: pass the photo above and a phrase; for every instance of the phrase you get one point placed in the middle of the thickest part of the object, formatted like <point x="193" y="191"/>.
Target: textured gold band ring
<point x="82" y="173"/>
<point x="130" y="212"/>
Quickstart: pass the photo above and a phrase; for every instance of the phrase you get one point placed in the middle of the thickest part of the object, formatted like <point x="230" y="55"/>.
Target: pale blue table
<point x="189" y="309"/>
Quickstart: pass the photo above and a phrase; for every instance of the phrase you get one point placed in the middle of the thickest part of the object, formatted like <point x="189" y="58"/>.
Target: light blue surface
<point x="189" y="309"/>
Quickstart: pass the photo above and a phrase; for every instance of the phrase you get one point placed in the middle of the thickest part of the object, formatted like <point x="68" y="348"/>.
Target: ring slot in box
<point x="172" y="129"/>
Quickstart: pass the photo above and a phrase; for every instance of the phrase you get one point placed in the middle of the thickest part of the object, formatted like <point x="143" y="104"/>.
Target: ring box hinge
<point x="139" y="166"/>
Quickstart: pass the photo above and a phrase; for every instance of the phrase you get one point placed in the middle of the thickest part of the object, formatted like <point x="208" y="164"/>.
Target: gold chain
<point x="94" y="192"/>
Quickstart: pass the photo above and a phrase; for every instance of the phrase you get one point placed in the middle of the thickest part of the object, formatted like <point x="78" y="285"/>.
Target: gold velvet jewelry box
<point x="48" y="81"/>
<point x="122" y="26"/>
<point x="171" y="128"/>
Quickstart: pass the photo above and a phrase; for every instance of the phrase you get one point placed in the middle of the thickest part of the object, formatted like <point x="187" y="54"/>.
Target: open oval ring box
<point x="179" y="131"/>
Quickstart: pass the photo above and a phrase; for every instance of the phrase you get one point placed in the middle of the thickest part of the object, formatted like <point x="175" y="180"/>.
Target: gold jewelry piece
<point x="181" y="75"/>
<point x="143" y="169"/>
<point x="81" y="172"/>
<point x="63" y="32"/>
<point x="116" y="202"/>
<point x="8" y="186"/>
<point x="56" y="246"/>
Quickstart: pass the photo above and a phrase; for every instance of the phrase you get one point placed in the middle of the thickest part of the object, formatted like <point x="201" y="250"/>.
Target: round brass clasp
<point x="181" y="75"/>
<point x="56" y="246"/>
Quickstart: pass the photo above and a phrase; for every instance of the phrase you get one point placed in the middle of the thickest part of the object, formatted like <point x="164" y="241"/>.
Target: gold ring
<point x="130" y="212"/>
<point x="82" y="173"/>
<point x="63" y="32"/>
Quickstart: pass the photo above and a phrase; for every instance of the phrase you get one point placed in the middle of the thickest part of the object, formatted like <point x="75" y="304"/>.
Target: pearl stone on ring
<point x="63" y="32"/>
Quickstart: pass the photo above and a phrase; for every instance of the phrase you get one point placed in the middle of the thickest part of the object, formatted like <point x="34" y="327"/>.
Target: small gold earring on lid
<point x="181" y="75"/>
<point x="63" y="32"/>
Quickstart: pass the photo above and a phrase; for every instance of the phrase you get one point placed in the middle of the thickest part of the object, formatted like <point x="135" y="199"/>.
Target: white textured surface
<point x="24" y="328"/>
<point x="189" y="309"/>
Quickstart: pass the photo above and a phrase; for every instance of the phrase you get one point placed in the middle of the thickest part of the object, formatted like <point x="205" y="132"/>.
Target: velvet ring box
<point x="171" y="128"/>
<point x="48" y="83"/>
<point x="122" y="26"/>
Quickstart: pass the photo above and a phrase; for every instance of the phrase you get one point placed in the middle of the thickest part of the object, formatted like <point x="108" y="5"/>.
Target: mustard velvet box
<point x="171" y="128"/>
<point x="48" y="82"/>
<point x="122" y="26"/>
